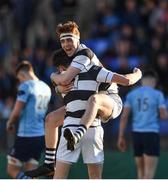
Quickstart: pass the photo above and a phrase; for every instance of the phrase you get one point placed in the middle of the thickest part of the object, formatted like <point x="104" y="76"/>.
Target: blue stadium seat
<point x="99" y="46"/>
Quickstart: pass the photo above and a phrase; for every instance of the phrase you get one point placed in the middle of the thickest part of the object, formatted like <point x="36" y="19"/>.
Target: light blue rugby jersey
<point x="145" y="103"/>
<point x="36" y="94"/>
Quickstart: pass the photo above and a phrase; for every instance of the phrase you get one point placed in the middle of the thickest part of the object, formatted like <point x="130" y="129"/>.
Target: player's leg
<point x="95" y="171"/>
<point x="139" y="160"/>
<point x="138" y="147"/>
<point x="31" y="164"/>
<point x="16" y="172"/>
<point x="64" y="157"/>
<point x="150" y="166"/>
<point x="13" y="168"/>
<point x="92" y="151"/>
<point x="62" y="170"/>
<point x="99" y="104"/>
<point x="151" y="153"/>
<point x="52" y="122"/>
<point x="20" y="153"/>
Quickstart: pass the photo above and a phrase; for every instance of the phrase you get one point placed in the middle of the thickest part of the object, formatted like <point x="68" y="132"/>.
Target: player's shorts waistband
<point x="76" y="121"/>
<point x="77" y="125"/>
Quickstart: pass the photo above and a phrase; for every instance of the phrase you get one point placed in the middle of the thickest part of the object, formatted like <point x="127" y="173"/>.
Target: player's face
<point x="62" y="68"/>
<point x="69" y="45"/>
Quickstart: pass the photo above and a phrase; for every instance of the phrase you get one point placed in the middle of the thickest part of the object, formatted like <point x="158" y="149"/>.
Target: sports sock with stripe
<point x="79" y="133"/>
<point x="50" y="155"/>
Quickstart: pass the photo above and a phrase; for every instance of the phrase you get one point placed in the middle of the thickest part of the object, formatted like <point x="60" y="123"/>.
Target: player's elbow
<point x="126" y="82"/>
<point x="121" y="79"/>
<point x="130" y="81"/>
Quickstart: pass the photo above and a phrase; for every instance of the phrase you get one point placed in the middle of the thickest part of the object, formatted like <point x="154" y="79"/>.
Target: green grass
<point x="116" y="166"/>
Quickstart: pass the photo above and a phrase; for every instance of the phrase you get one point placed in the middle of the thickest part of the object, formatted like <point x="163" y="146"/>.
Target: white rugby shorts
<point x="91" y="147"/>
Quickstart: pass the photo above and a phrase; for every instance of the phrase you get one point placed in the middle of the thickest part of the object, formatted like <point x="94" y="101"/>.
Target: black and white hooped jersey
<point x="84" y="59"/>
<point x="87" y="82"/>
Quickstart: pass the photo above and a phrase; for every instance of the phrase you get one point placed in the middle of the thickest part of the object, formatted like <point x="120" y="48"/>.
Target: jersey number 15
<point x="143" y="104"/>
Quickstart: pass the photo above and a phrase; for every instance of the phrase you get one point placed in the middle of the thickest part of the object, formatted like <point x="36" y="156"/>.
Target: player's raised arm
<point x="107" y="76"/>
<point x="128" y="79"/>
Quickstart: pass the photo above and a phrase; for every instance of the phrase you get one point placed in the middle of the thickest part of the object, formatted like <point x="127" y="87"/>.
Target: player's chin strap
<point x="68" y="35"/>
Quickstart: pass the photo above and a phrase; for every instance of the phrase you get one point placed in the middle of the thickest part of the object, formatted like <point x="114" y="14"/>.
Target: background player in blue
<point x="30" y="109"/>
<point x="146" y="105"/>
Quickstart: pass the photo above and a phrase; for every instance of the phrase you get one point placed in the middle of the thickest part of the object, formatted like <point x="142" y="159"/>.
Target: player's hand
<point x="53" y="83"/>
<point x="10" y="127"/>
<point x="52" y="78"/>
<point x="121" y="144"/>
<point x="138" y="72"/>
<point x="66" y="88"/>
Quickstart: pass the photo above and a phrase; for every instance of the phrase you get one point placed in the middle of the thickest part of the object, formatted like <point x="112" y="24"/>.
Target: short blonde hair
<point x="68" y="27"/>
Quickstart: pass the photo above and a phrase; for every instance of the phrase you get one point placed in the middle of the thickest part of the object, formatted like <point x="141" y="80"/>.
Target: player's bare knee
<point x="49" y="119"/>
<point x="52" y="121"/>
<point x="94" y="100"/>
<point x="13" y="166"/>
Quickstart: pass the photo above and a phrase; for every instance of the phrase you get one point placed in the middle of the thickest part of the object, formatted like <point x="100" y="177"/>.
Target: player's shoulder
<point x="159" y="93"/>
<point x="23" y="88"/>
<point x="149" y="90"/>
<point x="33" y="83"/>
<point x="29" y="83"/>
<point x="154" y="91"/>
<point x="39" y="83"/>
<point x="85" y="52"/>
<point x="133" y="93"/>
<point x="42" y="83"/>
